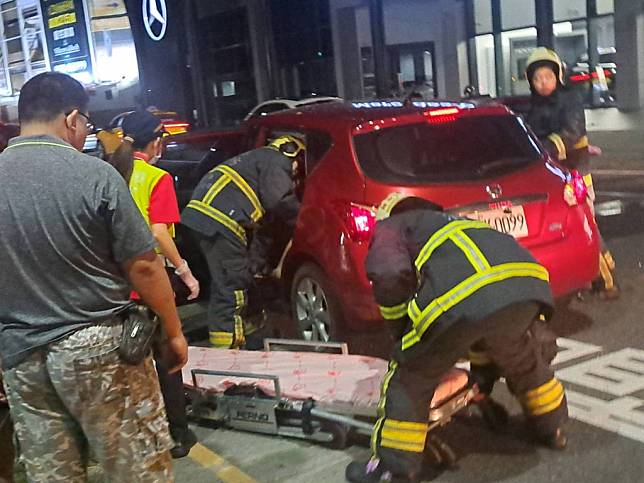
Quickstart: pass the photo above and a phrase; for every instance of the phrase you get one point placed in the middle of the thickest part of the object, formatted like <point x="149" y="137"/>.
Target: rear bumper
<point x="573" y="262"/>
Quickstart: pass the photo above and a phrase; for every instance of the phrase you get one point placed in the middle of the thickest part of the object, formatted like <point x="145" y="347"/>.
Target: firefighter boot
<point x="556" y="440"/>
<point x="494" y="414"/>
<point x="373" y="472"/>
<point x="605" y="284"/>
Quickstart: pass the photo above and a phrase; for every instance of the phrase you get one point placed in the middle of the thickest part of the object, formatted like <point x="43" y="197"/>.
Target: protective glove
<point x="185" y="274"/>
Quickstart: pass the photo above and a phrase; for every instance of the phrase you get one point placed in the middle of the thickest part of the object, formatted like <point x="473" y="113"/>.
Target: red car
<point x="479" y="161"/>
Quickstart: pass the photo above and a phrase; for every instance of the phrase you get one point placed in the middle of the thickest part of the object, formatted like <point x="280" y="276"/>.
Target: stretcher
<point x="313" y="391"/>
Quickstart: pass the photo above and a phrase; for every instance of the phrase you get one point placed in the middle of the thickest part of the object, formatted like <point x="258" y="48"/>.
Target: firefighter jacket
<point x="235" y="195"/>
<point x="560" y="124"/>
<point x="433" y="270"/>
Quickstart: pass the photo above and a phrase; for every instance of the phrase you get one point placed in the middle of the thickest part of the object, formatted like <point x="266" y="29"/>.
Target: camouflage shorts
<point x="77" y="397"/>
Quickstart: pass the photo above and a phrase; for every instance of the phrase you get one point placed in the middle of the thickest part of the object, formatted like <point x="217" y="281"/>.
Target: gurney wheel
<point x="339" y="432"/>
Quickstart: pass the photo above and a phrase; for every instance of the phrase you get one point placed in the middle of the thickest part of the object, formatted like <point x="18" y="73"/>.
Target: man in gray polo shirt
<point x="72" y="245"/>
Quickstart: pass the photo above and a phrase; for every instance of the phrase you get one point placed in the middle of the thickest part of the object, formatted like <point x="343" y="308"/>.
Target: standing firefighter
<point x="557" y="117"/>
<point x="444" y="284"/>
<point x="229" y="201"/>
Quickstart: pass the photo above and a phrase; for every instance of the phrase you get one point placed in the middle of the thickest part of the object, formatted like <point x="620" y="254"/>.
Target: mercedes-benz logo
<point x="494" y="191"/>
<point x="155" y="18"/>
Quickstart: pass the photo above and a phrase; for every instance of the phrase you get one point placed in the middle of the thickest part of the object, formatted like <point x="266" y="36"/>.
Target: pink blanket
<point x="350" y="381"/>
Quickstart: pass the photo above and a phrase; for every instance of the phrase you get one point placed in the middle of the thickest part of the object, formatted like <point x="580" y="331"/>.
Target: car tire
<point x="315" y="307"/>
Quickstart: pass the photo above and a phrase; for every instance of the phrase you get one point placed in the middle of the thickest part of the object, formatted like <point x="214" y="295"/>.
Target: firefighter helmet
<point x="388" y="204"/>
<point x="542" y="56"/>
<point x="289" y="146"/>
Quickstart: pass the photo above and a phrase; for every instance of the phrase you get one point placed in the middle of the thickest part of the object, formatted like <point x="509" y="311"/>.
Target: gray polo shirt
<point x="67" y="222"/>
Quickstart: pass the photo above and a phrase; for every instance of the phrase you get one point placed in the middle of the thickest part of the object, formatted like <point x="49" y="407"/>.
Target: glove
<point x="185" y="274"/>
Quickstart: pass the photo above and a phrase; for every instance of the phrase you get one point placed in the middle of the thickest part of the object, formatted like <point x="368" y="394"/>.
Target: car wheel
<point x="314" y="306"/>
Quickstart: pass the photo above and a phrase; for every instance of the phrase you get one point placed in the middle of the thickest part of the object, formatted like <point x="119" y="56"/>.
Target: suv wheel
<point x="314" y="306"/>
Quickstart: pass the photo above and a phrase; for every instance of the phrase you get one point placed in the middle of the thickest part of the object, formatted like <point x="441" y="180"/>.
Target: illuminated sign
<point x="155" y="18"/>
<point x="419" y="104"/>
<point x="67" y="41"/>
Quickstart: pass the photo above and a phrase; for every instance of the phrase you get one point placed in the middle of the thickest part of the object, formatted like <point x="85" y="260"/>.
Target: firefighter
<point x="444" y="284"/>
<point x="229" y="202"/>
<point x="557" y="118"/>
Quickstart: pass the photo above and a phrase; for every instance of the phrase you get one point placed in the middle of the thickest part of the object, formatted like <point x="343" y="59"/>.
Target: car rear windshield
<point x="469" y="148"/>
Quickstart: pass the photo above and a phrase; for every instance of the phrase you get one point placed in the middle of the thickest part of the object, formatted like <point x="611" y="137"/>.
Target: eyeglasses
<point x="89" y="124"/>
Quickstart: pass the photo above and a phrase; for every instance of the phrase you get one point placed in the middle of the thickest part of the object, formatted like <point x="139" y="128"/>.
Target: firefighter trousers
<point x="230" y="279"/>
<point x="398" y="439"/>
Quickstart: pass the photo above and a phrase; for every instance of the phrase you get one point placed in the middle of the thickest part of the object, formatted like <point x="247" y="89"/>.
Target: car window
<point x="269" y="108"/>
<point x="468" y="148"/>
<point x="317" y="144"/>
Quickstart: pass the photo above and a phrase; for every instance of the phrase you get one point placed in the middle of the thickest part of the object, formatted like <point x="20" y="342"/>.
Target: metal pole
<point x="377" y="16"/>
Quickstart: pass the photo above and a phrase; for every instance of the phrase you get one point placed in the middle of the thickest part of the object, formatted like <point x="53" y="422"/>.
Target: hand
<point x="178" y="351"/>
<point x="188" y="279"/>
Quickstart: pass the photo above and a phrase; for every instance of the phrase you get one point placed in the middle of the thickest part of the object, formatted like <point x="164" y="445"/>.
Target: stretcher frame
<point x="247" y="408"/>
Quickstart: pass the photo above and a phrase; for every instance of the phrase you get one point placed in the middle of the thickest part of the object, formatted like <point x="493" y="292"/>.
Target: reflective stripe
<point x="471" y="251"/>
<point x="214" y="190"/>
<point x="240" y="337"/>
<point x="221" y="339"/>
<point x="217" y="215"/>
<point x="479" y="358"/>
<point x="582" y="143"/>
<point x="559" y="144"/>
<point x="245" y="188"/>
<point x="404" y="435"/>
<point x="441" y="235"/>
<point x="40" y="143"/>
<point x="381" y="406"/>
<point x="394" y="313"/>
<point x="463" y="290"/>
<point x="544" y="399"/>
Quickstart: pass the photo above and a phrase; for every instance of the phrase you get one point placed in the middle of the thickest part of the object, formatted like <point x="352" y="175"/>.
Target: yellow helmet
<point x="541" y="56"/>
<point x="289" y="146"/>
<point x="388" y="204"/>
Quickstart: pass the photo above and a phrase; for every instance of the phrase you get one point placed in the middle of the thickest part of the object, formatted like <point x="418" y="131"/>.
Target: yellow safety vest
<point x="143" y="181"/>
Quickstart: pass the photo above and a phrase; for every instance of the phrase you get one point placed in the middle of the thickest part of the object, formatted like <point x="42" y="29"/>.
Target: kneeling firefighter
<point x="445" y="284"/>
<point x="557" y="118"/>
<point x="229" y="201"/>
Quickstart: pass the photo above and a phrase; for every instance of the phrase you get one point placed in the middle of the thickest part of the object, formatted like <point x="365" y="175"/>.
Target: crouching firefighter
<point x="226" y="205"/>
<point x="557" y="118"/>
<point x="447" y="283"/>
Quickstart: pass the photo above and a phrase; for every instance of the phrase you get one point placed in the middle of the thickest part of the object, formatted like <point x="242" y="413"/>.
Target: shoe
<point x="494" y="414"/>
<point x="373" y="472"/>
<point x="556" y="440"/>
<point x="184" y="444"/>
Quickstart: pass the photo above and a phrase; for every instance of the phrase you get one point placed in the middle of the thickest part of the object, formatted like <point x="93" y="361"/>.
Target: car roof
<point x="352" y="113"/>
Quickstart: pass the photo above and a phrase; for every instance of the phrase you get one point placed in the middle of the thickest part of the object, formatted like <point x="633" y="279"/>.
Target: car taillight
<point x="575" y="191"/>
<point x="442" y="116"/>
<point x="360" y="221"/>
<point x="176" y="127"/>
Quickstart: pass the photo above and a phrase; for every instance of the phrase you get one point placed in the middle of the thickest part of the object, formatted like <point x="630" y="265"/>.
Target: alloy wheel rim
<point x="312" y="311"/>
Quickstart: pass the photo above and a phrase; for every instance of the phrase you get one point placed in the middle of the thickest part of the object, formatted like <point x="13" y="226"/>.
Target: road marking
<point x="619" y="194"/>
<point x="618" y="172"/>
<point x="619" y="373"/>
<point x="223" y="470"/>
<point x="573" y="349"/>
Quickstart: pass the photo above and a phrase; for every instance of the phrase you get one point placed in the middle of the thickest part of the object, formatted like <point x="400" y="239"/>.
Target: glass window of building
<point x="23" y="53"/>
<point x="605" y="6"/>
<point x="485" y="67"/>
<point x="568" y="9"/>
<point x="482" y="16"/>
<point x="571" y="42"/>
<point x="517" y="46"/>
<point x="517" y="13"/>
<point x="115" y="55"/>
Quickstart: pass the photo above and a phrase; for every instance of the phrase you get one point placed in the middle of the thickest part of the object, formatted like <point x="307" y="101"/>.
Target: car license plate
<point x="510" y="220"/>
